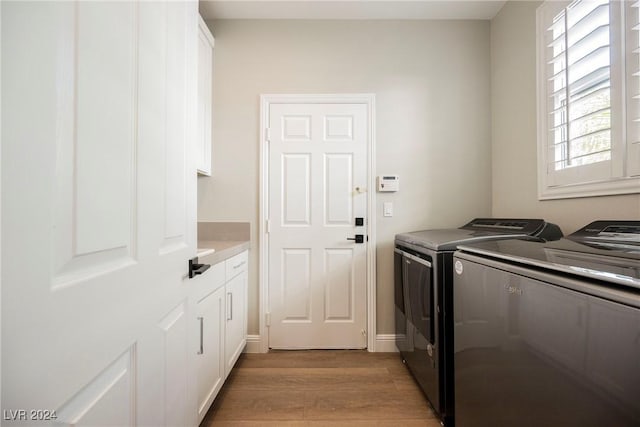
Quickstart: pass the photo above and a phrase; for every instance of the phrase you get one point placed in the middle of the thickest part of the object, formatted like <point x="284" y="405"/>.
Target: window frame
<point x="597" y="179"/>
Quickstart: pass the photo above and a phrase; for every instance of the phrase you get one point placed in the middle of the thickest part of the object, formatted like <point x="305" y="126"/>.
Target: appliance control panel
<point x="506" y="225"/>
<point x="611" y="231"/>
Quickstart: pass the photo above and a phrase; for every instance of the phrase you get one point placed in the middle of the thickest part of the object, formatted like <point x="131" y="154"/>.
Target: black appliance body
<point x="424" y="298"/>
<point x="548" y="333"/>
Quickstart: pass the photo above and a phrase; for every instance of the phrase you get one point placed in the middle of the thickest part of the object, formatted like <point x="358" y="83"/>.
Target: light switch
<point x="387" y="209"/>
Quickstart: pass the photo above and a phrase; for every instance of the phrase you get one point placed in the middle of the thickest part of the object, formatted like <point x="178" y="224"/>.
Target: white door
<point x="98" y="211"/>
<point x="317" y="189"/>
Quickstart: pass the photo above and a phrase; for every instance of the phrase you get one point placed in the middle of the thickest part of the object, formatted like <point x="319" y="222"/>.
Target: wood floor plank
<point x="362" y="404"/>
<point x="314" y="378"/>
<point x="350" y="423"/>
<point x="318" y="359"/>
<point x="320" y="388"/>
<point x="258" y="405"/>
<point x="258" y="423"/>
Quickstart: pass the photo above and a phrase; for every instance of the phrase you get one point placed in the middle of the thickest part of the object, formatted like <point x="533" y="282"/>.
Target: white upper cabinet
<point x="205" y="97"/>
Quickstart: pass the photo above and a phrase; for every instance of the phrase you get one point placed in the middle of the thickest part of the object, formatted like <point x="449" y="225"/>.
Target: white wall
<point x="431" y="80"/>
<point x="513" y="104"/>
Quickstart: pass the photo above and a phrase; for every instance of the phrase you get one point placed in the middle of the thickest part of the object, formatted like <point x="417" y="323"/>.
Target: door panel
<point x="94" y="235"/>
<point x="317" y="278"/>
<point x="338" y="128"/>
<point x="175" y="352"/>
<point x="175" y="139"/>
<point x="296" y="285"/>
<point x="108" y="400"/>
<point x="339" y="288"/>
<point x="338" y="188"/>
<point x="296" y="128"/>
<point x="97" y="178"/>
<point x="296" y="192"/>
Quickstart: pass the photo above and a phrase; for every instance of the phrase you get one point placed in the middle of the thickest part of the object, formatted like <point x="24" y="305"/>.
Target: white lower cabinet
<point x="236" y="330"/>
<point x="220" y="299"/>
<point x="211" y="367"/>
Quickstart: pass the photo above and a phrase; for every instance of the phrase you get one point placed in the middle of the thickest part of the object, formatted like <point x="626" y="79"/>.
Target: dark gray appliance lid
<point x="610" y="235"/>
<point x="479" y="229"/>
<point x="617" y="266"/>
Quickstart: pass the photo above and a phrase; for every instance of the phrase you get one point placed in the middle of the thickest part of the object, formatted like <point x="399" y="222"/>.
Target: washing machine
<point x="548" y="333"/>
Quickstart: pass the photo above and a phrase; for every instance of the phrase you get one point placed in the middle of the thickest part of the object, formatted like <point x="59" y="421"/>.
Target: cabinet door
<point x="210" y="360"/>
<point x="205" y="99"/>
<point x="236" y="330"/>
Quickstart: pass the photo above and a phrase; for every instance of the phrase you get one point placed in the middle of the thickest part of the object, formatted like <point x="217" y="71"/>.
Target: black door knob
<point x="358" y="238"/>
<point x="195" y="268"/>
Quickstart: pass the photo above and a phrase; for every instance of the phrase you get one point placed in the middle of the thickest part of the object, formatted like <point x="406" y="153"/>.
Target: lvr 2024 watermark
<point x="29" y="415"/>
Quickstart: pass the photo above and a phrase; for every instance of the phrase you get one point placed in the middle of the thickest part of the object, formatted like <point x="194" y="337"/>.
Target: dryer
<point x="423" y="297"/>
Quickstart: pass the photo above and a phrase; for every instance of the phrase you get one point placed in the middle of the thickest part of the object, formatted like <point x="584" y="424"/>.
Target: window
<point x="588" y="98"/>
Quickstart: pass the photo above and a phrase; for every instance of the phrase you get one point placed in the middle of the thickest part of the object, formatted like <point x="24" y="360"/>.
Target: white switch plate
<point x="387" y="209"/>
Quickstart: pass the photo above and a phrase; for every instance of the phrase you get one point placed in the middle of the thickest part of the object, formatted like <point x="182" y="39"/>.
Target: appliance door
<point x="402" y="337"/>
<point x="417" y="347"/>
<point x="420" y="290"/>
<point x="532" y="353"/>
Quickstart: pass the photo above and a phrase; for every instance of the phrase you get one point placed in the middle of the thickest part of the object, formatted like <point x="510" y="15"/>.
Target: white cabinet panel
<point x="236" y="328"/>
<point x="210" y="354"/>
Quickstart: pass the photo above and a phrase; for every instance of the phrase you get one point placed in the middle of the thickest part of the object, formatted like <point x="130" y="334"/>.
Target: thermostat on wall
<point x="388" y="183"/>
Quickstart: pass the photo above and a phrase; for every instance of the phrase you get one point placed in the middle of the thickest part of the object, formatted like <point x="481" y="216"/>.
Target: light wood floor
<point x="320" y="388"/>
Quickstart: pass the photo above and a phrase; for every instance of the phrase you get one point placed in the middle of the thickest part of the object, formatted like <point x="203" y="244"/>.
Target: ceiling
<point x="349" y="9"/>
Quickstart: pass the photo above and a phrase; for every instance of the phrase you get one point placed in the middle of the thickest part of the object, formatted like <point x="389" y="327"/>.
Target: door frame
<point x="266" y="100"/>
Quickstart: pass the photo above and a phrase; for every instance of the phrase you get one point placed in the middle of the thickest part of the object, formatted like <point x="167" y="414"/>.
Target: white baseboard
<point x="254" y="344"/>
<point x="385" y="343"/>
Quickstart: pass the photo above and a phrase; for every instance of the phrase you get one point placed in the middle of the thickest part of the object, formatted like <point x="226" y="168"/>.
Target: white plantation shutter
<point x="584" y="53"/>
<point x="633" y="87"/>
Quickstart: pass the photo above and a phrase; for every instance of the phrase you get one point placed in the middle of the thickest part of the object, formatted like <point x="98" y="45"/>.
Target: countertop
<point x="215" y="251"/>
